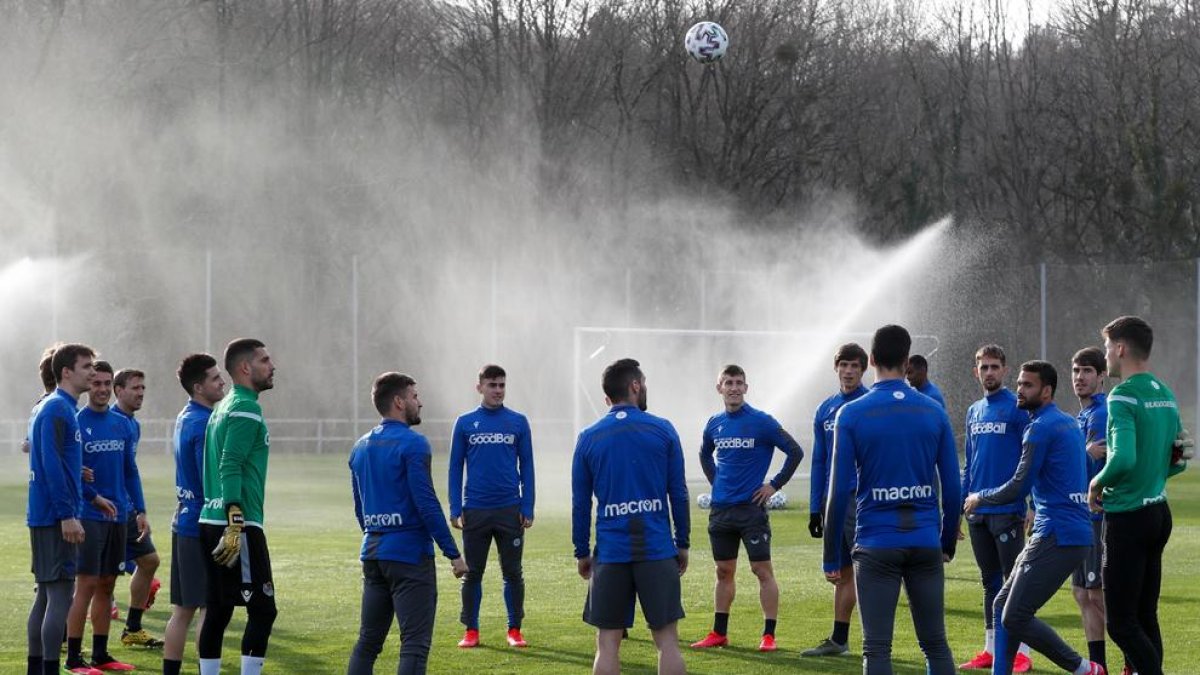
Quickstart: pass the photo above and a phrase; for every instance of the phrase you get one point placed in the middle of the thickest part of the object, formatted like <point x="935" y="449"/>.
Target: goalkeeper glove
<point x="228" y="550"/>
<point x="814" y="525"/>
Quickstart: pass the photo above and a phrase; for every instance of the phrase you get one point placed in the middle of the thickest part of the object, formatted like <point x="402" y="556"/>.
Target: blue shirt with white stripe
<point x="818" y="486"/>
<point x="108" y="447"/>
<point x="188" y="447"/>
<point x="55" y="462"/>
<point x="743" y="442"/>
<point x="495" y="445"/>
<point x="994" y="429"/>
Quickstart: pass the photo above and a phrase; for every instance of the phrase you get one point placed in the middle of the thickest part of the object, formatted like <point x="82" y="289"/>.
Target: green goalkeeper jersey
<point x="236" y="445"/>
<point x="1143" y="421"/>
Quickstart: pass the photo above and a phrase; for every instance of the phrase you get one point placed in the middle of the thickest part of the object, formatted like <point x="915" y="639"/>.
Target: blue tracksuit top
<point x="1093" y="422"/>
<point x="902" y="446"/>
<point x="823" y="447"/>
<point x="1053" y="467"/>
<point x="497" y="449"/>
<point x="136" y="429"/>
<point x="633" y="463"/>
<point x="188" y="446"/>
<point x="108" y="448"/>
<point x="55" y="462"/>
<point x="930" y="389"/>
<point x="994" y="429"/>
<point x="743" y="443"/>
<point x="394" y="500"/>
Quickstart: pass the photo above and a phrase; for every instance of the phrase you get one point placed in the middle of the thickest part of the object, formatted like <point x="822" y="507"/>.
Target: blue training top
<point x="1053" y="467"/>
<point x="633" y="463"/>
<point x="496" y="446"/>
<point x="135" y="427"/>
<point x="394" y="500"/>
<point x="994" y="429"/>
<point x="744" y="442"/>
<point x="1093" y="422"/>
<point x="108" y="447"/>
<point x="902" y="446"/>
<point x="188" y="447"/>
<point x="55" y="462"/>
<point x="818" y="486"/>
<point x="931" y="390"/>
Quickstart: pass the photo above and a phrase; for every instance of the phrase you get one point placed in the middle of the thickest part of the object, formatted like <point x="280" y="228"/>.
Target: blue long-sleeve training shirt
<point x="188" y="447"/>
<point x="902" y="446"/>
<point x="822" y="448"/>
<point x="497" y="448"/>
<point x="1093" y="422"/>
<point x="931" y="390"/>
<point x="108" y="447"/>
<point x="632" y="462"/>
<point x="1053" y="466"/>
<point x="135" y="428"/>
<point x="394" y="500"/>
<point x="743" y="443"/>
<point x="994" y="428"/>
<point x="55" y="462"/>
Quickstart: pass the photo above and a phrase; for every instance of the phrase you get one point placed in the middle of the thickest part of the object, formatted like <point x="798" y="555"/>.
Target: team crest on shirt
<point x="269" y="589"/>
<point x="622" y="415"/>
<point x="898" y="395"/>
<point x="89" y="431"/>
<point x="476" y="424"/>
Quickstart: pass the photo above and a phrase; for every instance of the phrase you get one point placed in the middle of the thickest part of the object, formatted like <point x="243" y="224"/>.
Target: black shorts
<point x="102" y="552"/>
<point x="189" y="572"/>
<point x="135" y="549"/>
<point x="1088" y="574"/>
<point x="614" y="586"/>
<point x="53" y="557"/>
<point x="740" y="524"/>
<point x="251" y="575"/>
<point x="849" y="534"/>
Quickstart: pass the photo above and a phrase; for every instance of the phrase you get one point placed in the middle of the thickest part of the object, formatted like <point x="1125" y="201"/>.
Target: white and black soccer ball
<point x="706" y="42"/>
<point x="704" y="500"/>
<point x="777" y="501"/>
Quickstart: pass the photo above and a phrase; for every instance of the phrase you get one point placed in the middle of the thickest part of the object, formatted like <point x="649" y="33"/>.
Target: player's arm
<point x="242" y="427"/>
<point x="707" y="460"/>
<point x="1017" y="488"/>
<point x="840" y="471"/>
<point x="581" y="502"/>
<point x="133" y="477"/>
<point x="52" y="444"/>
<point x="795" y="454"/>
<point x="1122" y="441"/>
<point x="968" y="452"/>
<point x="458" y="456"/>
<point x="354" y="492"/>
<point x="816" y="483"/>
<point x="525" y="457"/>
<point x="420" y="485"/>
<point x="948" y="475"/>
<point x="677" y="494"/>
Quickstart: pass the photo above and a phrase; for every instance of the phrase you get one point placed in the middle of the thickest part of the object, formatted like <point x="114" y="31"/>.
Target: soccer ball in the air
<point x="777" y="501"/>
<point x="706" y="42"/>
<point x="704" y="500"/>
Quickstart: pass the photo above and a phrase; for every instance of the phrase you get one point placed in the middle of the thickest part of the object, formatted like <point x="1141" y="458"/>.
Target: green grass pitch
<point x="314" y="548"/>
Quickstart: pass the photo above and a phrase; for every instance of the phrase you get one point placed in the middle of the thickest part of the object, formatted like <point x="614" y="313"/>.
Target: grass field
<point x="314" y="546"/>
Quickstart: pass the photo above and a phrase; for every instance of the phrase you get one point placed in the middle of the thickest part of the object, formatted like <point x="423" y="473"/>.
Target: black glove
<point x="814" y="526"/>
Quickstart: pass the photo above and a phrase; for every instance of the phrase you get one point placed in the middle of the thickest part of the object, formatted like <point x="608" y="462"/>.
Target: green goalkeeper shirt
<point x="1143" y="421"/>
<point x="236" y="445"/>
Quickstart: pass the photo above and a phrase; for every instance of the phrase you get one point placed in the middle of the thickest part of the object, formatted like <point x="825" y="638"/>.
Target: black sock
<point x="133" y="622"/>
<point x="99" y="646"/>
<point x="1096" y="652"/>
<point x="769" y="627"/>
<point x="721" y="623"/>
<point x="171" y="667"/>
<point x="35" y="666"/>
<point x="51" y="667"/>
<point x="841" y="632"/>
<point x="74" y="649"/>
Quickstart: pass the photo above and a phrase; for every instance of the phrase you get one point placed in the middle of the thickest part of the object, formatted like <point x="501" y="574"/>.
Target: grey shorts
<point x="102" y="552"/>
<point x="135" y="549"/>
<point x="849" y="534"/>
<point x="53" y="558"/>
<point x="731" y="526"/>
<point x="1088" y="575"/>
<point x="189" y="572"/>
<point x="614" y="586"/>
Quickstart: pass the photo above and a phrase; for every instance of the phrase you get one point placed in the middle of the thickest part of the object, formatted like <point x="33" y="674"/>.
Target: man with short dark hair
<point x="400" y="516"/>
<point x="849" y="362"/>
<point x="994" y="428"/>
<point x="201" y="378"/>
<point x="236" y="448"/>
<point x="55" y="504"/>
<point x="901" y="447"/>
<point x="917" y="375"/>
<point x="632" y="463"/>
<point x="495" y="445"/>
<point x="1053" y="469"/>
<point x="1143" y="430"/>
<point x="743" y="440"/>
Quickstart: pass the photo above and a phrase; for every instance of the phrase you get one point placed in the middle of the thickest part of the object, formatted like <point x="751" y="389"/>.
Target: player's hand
<point x="1029" y="516"/>
<point x="106" y="507"/>
<point x="72" y="531"/>
<point x="971" y="503"/>
<point x="457" y="522"/>
<point x="459" y="567"/>
<point x="88" y="475"/>
<point x="681" y="556"/>
<point x="584" y="565"/>
<point x="230" y="547"/>
<point x="143" y="525"/>
<point x="815" y="528"/>
<point x="1095" y="497"/>
<point x="834" y="577"/>
<point x="1097" y="449"/>
<point x="961" y="534"/>
<point x="1184" y="447"/>
<point x="526" y="522"/>
<point x="763" y="494"/>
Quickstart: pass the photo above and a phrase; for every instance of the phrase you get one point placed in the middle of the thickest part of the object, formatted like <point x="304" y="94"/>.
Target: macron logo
<point x="904" y="493"/>
<point x="978" y="428"/>
<point x="632" y="507"/>
<point x="734" y="443"/>
<point x="494" y="437"/>
<point x="382" y="520"/>
<point x="183" y="493"/>
<point x="1078" y="497"/>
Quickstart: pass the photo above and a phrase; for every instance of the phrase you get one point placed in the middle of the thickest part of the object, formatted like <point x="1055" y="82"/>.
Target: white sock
<point x="252" y="665"/>
<point x="210" y="666"/>
<point x="1023" y="649"/>
<point x="989" y="642"/>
